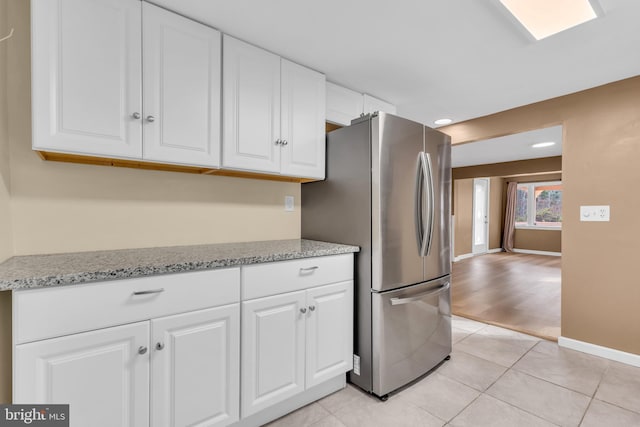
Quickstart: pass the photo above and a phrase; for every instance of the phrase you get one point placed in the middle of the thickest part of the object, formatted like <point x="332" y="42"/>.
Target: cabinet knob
<point x="159" y="346"/>
<point x="151" y="119"/>
<point x="284" y="142"/>
<point x="278" y="141"/>
<point x="142" y="349"/>
<point x="312" y="307"/>
<point x="303" y="310"/>
<point x="136" y="116"/>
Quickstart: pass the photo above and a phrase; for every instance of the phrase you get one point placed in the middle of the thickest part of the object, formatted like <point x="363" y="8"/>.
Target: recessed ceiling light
<point x="544" y="18"/>
<point x="443" y="121"/>
<point x="543" y="144"/>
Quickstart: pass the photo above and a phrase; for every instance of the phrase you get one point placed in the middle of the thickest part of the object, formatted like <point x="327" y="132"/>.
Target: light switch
<point x="595" y="213"/>
<point x="288" y="204"/>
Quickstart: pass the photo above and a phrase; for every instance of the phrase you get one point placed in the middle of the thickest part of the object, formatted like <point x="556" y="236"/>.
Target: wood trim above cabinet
<point x="138" y="164"/>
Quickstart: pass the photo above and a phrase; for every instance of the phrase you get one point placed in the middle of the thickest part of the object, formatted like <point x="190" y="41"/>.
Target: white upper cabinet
<point x="303" y="121"/>
<point x="251" y="107"/>
<point x="273" y="113"/>
<point x="89" y="82"/>
<point x="343" y="105"/>
<point x="86" y="67"/>
<point x="181" y="79"/>
<point x="372" y="104"/>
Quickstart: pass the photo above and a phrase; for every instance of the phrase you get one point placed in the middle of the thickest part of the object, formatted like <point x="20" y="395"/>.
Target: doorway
<point x="480" y="216"/>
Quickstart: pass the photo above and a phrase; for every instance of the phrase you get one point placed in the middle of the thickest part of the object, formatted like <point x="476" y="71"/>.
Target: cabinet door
<point x="343" y="105"/>
<point x="329" y="332"/>
<point x="181" y="89"/>
<point x="196" y="368"/>
<point x="86" y="76"/>
<point x="272" y="350"/>
<point x="303" y="121"/>
<point x="372" y="104"/>
<point x="100" y="374"/>
<point x="251" y="107"/>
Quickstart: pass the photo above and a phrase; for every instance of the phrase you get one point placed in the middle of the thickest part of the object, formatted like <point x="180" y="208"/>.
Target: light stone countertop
<point x="37" y="271"/>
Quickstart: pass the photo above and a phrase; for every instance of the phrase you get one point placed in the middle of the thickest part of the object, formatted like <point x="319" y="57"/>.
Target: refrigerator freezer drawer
<point x="411" y="333"/>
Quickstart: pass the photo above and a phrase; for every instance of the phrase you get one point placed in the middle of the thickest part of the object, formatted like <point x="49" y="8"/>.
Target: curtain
<point x="510" y="217"/>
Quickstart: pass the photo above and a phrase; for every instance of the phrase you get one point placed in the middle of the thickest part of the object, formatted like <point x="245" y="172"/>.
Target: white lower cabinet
<point x="293" y="341"/>
<point x="188" y="375"/>
<point x="164" y="351"/>
<point x="195" y="368"/>
<point x="100" y="374"/>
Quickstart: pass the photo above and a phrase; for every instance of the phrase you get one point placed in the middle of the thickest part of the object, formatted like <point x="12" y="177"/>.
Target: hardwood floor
<point x="515" y="291"/>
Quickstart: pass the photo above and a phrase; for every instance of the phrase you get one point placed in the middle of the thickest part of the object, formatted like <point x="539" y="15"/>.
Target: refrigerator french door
<point x="388" y="191"/>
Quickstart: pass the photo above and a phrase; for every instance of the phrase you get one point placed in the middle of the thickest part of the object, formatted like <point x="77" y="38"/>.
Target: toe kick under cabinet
<point x="233" y="346"/>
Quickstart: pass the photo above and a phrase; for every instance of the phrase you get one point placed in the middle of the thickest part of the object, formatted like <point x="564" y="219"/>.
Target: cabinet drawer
<point x="51" y="312"/>
<point x="286" y="276"/>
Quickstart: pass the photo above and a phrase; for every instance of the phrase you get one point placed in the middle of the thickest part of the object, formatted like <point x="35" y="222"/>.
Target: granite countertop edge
<point x="146" y="269"/>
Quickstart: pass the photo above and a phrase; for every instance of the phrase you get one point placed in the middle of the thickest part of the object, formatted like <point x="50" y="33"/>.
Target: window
<point x="539" y="205"/>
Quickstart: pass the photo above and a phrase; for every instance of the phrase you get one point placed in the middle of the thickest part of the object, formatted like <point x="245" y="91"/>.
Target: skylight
<point x="544" y="18"/>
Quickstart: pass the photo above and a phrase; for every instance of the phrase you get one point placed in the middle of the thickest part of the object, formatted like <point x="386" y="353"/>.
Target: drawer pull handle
<point x="308" y="269"/>
<point x="149" y="292"/>
<point x="159" y="346"/>
<point x="142" y="349"/>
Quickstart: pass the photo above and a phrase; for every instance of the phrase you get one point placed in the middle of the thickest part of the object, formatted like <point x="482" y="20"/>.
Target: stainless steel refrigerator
<point x="387" y="190"/>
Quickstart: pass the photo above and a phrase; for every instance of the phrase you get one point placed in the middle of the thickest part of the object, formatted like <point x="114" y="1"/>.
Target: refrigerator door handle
<point x="431" y="200"/>
<point x="439" y="289"/>
<point x="419" y="203"/>
<point x="424" y="179"/>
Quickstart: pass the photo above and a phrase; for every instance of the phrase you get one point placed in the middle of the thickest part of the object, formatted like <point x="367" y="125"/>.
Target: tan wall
<point x="519" y="167"/>
<point x="538" y="240"/>
<point x="601" y="147"/>
<point x="6" y="248"/>
<point x="463" y="225"/>
<point x="6" y="244"/>
<point x="495" y="212"/>
<point x="60" y="207"/>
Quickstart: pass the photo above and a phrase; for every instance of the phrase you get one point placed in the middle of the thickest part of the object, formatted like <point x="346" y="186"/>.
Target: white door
<point x="196" y="368"/>
<point x="480" y="215"/>
<point x="103" y="375"/>
<point x="86" y="77"/>
<point x="181" y="89"/>
<point x="273" y="330"/>
<point x="251" y="107"/>
<point x="303" y="121"/>
<point x="329" y="332"/>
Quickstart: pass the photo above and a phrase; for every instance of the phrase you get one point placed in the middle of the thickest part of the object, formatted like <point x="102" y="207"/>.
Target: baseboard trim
<point x="532" y="252"/>
<point x="465" y="256"/>
<point x="461" y="257"/>
<point x="598" y="350"/>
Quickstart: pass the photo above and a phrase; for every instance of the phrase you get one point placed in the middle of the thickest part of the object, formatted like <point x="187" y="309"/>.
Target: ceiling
<point x="437" y="58"/>
<point x="433" y="58"/>
<point x="519" y="148"/>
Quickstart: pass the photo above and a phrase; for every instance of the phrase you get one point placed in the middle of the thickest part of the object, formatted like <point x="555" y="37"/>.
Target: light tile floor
<point x="496" y="377"/>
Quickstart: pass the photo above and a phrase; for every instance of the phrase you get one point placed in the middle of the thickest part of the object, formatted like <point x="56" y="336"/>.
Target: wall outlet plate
<point x="600" y="213"/>
<point x="289" y="205"/>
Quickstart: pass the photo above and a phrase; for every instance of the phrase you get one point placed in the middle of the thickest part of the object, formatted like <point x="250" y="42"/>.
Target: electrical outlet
<point x="595" y="213"/>
<point x="289" y="205"/>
